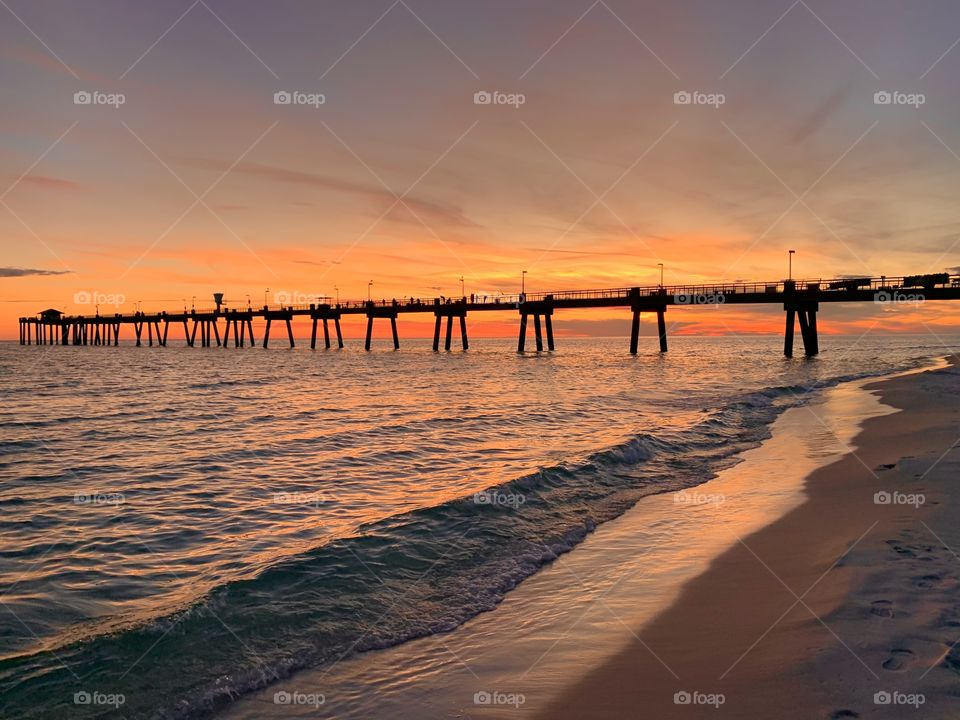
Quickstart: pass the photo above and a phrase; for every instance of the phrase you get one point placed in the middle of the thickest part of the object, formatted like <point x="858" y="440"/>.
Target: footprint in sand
<point x="882" y="608"/>
<point x="927" y="581"/>
<point x="900" y="659"/>
<point x="885" y="466"/>
<point x="843" y="715"/>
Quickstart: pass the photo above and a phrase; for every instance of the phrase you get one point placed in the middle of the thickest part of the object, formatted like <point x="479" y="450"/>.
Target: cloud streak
<point x="28" y="272"/>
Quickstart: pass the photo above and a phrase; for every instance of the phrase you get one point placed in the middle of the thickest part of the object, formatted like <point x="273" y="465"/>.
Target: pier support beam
<point x="326" y="313"/>
<point x="450" y="311"/>
<point x="382" y="311"/>
<point x="523" y="332"/>
<point x="662" y="329"/>
<point x="806" y="315"/>
<point x="536" y="308"/>
<point x="650" y="303"/>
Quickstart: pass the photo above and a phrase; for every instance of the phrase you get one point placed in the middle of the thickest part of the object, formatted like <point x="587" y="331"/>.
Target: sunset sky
<point x="198" y="182"/>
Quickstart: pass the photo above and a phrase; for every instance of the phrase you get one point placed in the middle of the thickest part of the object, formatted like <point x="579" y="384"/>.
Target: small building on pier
<point x="50" y="315"/>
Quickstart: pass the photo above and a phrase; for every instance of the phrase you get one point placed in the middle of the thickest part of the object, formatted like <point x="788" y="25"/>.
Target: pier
<point x="800" y="299"/>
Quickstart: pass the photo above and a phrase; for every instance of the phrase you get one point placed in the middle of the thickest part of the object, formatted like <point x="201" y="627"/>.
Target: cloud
<point x="430" y="211"/>
<point x="821" y="114"/>
<point x="26" y="272"/>
<point x="49" y="183"/>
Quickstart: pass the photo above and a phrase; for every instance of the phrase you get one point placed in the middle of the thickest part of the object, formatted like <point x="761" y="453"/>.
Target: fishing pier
<point x="800" y="299"/>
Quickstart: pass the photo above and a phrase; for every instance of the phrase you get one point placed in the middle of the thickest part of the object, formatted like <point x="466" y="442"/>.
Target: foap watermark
<point x="300" y="498"/>
<point x="294" y="697"/>
<point x="295" y="297"/>
<point x="86" y="697"/>
<point x="95" y="297"/>
<point x="894" y="97"/>
<point x="898" y="498"/>
<point x="92" y="497"/>
<point x="495" y="97"/>
<point x="692" y="497"/>
<point x="696" y="97"/>
<point x="693" y="298"/>
<point x="96" y="97"/>
<point x="297" y="97"/>
<point x="693" y="697"/>
<point x="496" y="697"/>
<point x="898" y="698"/>
<point x="894" y="297"/>
<point x="495" y="497"/>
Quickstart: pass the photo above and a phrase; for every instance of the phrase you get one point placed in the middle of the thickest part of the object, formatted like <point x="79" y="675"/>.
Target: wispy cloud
<point x="49" y="183"/>
<point x="431" y="211"/>
<point x="27" y="272"/>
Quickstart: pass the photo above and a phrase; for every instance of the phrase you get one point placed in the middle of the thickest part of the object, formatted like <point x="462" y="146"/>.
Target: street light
<point x="193" y="303"/>
<point x="265" y="296"/>
<point x="790" y="255"/>
<point x="463" y="290"/>
<point x="369" y="285"/>
<point x="248" y="301"/>
<point x="337" y="290"/>
<point x="523" y="282"/>
<point x="660" y="265"/>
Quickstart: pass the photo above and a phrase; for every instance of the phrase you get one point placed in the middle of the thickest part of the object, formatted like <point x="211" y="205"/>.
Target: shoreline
<point x="838" y="600"/>
<point x="573" y="612"/>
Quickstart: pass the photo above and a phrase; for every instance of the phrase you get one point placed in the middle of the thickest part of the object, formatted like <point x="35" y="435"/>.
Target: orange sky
<point x="199" y="182"/>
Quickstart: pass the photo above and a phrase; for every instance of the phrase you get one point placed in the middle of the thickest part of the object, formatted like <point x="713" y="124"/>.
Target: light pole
<point x="138" y="305"/>
<point x="660" y="265"/>
<point x="790" y="255"/>
<point x="265" y="296"/>
<point x="193" y="303"/>
<point x="369" y="294"/>
<point x="248" y="301"/>
<point x="337" y="291"/>
<point x="523" y="282"/>
<point x="463" y="290"/>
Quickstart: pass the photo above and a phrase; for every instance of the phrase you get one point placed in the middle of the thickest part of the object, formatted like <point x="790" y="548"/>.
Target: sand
<point x="846" y="607"/>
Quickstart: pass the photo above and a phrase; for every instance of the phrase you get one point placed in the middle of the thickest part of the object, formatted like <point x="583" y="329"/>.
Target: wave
<point x="404" y="577"/>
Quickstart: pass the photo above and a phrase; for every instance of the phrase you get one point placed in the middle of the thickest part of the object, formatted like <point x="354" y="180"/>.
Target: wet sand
<point x="846" y="607"/>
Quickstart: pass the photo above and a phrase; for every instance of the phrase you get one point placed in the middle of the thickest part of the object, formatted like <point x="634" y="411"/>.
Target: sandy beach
<point x="843" y="608"/>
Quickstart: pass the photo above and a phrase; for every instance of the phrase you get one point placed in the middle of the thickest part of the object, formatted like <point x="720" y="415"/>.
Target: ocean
<point x="183" y="526"/>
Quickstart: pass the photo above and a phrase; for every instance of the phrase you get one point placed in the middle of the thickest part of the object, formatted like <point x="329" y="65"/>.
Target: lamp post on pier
<point x="660" y="265"/>
<point x="790" y="254"/>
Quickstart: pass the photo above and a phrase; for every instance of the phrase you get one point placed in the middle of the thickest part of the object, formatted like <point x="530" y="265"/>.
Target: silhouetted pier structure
<point x="800" y="299"/>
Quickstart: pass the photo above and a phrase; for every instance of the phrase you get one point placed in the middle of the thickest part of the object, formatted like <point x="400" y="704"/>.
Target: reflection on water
<point x="244" y="513"/>
<point x="588" y="604"/>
